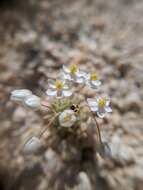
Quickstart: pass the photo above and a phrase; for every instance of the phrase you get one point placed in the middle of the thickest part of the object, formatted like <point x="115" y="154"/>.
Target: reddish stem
<point x="97" y="125"/>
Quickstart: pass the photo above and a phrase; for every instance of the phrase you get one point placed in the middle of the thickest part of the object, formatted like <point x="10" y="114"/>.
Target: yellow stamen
<point x="102" y="102"/>
<point x="67" y="118"/>
<point x="93" y="76"/>
<point x="73" y="69"/>
<point x="59" y="84"/>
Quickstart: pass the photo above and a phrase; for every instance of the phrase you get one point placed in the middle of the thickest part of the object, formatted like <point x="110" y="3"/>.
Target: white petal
<point x="92" y="102"/>
<point x="67" y="76"/>
<point x="32" y="145"/>
<point x="32" y="101"/>
<point x="51" y="83"/>
<point x="81" y="74"/>
<point x="19" y="95"/>
<point x="68" y="123"/>
<point x="98" y="98"/>
<point x="67" y="93"/>
<point x="62" y="80"/>
<point x="66" y="87"/>
<point x="65" y="69"/>
<point x="107" y="103"/>
<point x="94" y="108"/>
<point x="80" y="80"/>
<point x="101" y="113"/>
<point x="88" y="83"/>
<point x="96" y="83"/>
<point x="87" y="76"/>
<point x="51" y="92"/>
<point x="108" y="109"/>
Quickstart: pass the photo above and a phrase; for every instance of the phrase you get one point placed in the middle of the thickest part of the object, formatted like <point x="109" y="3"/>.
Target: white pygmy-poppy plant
<point x="67" y="118"/>
<point x="100" y="106"/>
<point x="58" y="88"/>
<point x="92" y="80"/>
<point x="64" y="110"/>
<point x="72" y="73"/>
<point x="20" y="95"/>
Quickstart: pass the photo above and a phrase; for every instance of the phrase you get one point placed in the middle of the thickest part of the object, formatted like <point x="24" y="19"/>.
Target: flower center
<point x="59" y="84"/>
<point x="102" y="103"/>
<point x="73" y="69"/>
<point x="93" y="76"/>
<point x="67" y="118"/>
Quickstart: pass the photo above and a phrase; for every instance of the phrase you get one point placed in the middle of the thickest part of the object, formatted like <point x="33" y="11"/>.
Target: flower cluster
<point x="60" y="98"/>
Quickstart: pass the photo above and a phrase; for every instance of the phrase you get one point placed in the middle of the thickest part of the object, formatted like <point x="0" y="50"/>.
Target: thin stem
<point x="98" y="128"/>
<point x="97" y="124"/>
<point x="45" y="105"/>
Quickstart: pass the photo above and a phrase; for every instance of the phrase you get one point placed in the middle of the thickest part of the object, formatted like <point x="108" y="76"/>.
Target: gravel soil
<point x="36" y="39"/>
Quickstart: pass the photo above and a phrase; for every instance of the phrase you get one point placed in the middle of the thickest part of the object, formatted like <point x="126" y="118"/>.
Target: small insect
<point x="75" y="108"/>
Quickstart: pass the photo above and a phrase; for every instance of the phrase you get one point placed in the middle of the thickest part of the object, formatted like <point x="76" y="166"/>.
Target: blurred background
<point x="36" y="39"/>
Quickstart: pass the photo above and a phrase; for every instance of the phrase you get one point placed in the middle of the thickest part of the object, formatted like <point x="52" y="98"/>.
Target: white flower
<point x="58" y="88"/>
<point x="67" y="118"/>
<point x="20" y="95"/>
<point x="32" y="101"/>
<point x="72" y="73"/>
<point x="100" y="106"/>
<point x="32" y="145"/>
<point x="92" y="80"/>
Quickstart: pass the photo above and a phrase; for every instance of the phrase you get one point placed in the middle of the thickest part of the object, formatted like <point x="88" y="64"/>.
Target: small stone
<point x="116" y="119"/>
<point x="121" y="151"/>
<point x="19" y="114"/>
<point x="52" y="160"/>
<point x="32" y="145"/>
<point x="84" y="182"/>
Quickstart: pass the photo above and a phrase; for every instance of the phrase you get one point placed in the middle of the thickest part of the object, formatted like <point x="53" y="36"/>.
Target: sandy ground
<point x="36" y="39"/>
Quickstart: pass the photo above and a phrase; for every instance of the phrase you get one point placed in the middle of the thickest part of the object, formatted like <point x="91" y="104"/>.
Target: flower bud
<point x="32" y="101"/>
<point x="20" y="95"/>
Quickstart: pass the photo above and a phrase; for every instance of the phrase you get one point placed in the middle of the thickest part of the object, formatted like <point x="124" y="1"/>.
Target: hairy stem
<point x="45" y="104"/>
